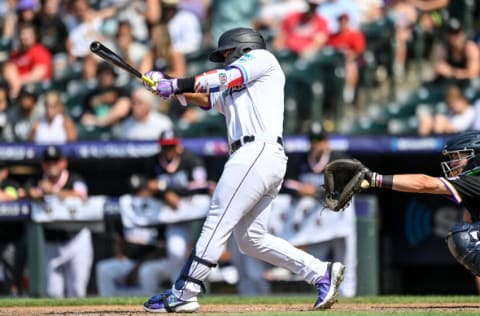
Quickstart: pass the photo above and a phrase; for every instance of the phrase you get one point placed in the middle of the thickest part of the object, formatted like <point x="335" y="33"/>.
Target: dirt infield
<point x="107" y="310"/>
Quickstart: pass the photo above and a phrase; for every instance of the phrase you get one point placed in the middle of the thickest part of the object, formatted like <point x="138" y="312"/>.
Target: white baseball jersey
<point x="254" y="107"/>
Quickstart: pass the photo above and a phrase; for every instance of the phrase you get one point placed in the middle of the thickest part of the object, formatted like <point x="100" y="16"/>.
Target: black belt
<point x="248" y="139"/>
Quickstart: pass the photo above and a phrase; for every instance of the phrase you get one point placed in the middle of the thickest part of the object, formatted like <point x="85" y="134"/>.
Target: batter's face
<point x="227" y="53"/>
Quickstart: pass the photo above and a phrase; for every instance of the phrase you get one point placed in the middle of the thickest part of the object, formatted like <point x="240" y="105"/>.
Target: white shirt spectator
<point x="145" y="123"/>
<point x="185" y="31"/>
<point x="464" y="120"/>
<point x="149" y="129"/>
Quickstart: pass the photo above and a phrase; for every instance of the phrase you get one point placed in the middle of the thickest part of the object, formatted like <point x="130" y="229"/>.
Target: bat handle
<point x="151" y="83"/>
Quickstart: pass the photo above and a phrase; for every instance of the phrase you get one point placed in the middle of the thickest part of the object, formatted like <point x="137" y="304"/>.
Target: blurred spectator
<point x="430" y="15"/>
<point x="56" y="127"/>
<point x="82" y="78"/>
<point x="197" y="7"/>
<point x="22" y="116"/>
<point x="272" y="13"/>
<point x="404" y="16"/>
<point x="132" y="12"/>
<point x="351" y="42"/>
<point x="153" y="12"/>
<point x="30" y="63"/>
<point x="130" y="50"/>
<point x="304" y="33"/>
<point x="52" y="30"/>
<point x="107" y="104"/>
<point x="8" y="20"/>
<point x="459" y="117"/>
<point x="68" y="251"/>
<point x="330" y="10"/>
<point x="132" y="246"/>
<point x="228" y="14"/>
<point x="370" y="10"/>
<point x="10" y="189"/>
<point x="12" y="236"/>
<point x="162" y="55"/>
<point x="27" y="11"/>
<point x="145" y="122"/>
<point x="4" y="107"/>
<point x="184" y="27"/>
<point x="457" y="62"/>
<point x="88" y="28"/>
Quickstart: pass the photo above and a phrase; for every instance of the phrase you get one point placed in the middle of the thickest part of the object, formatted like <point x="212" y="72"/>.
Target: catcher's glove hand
<point x="344" y="178"/>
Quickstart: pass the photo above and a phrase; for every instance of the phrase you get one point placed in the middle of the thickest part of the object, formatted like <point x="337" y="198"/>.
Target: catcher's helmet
<point x="462" y="152"/>
<point x="241" y="39"/>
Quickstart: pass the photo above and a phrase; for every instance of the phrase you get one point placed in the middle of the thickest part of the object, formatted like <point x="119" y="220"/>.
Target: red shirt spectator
<point x="351" y="42"/>
<point x="303" y="32"/>
<point x="349" y="39"/>
<point x="30" y="63"/>
<point x="27" y="60"/>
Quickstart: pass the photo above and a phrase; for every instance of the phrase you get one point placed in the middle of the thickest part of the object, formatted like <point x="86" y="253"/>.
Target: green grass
<point x="469" y="304"/>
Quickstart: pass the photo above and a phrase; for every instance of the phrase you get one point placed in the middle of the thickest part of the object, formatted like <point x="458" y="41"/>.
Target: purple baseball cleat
<point x="328" y="286"/>
<point x="169" y="303"/>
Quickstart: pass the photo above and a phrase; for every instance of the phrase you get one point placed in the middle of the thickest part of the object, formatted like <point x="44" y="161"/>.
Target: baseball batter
<point x="249" y="91"/>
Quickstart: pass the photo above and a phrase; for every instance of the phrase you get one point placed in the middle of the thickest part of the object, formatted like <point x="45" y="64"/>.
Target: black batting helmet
<point x="241" y="39"/>
<point x="459" y="147"/>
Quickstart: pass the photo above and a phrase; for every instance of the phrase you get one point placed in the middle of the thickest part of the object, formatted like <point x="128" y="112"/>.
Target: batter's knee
<point x="463" y="241"/>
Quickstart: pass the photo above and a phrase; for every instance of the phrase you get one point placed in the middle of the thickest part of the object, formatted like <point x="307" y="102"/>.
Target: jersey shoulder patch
<point x="246" y="57"/>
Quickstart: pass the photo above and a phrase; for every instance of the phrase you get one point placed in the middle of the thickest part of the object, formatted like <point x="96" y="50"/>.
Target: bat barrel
<point x="95" y="46"/>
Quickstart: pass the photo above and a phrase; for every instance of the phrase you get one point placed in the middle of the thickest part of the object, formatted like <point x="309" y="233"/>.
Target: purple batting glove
<point x="154" y="76"/>
<point x="167" y="88"/>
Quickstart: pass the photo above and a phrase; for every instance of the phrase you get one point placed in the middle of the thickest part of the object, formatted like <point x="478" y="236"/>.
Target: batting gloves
<point x="165" y="88"/>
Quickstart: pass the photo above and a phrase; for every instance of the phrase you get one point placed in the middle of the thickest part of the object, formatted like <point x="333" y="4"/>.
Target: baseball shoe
<point x="328" y="286"/>
<point x="169" y="303"/>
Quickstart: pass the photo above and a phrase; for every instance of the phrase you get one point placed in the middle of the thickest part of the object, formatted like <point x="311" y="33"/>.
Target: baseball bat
<point x="111" y="57"/>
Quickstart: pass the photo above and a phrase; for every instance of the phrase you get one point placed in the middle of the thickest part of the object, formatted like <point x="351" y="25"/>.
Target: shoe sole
<point x="337" y="277"/>
<point x="190" y="307"/>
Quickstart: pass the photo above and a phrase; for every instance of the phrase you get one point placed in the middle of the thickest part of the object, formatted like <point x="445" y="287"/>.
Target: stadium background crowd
<point x="398" y="67"/>
<point x="374" y="59"/>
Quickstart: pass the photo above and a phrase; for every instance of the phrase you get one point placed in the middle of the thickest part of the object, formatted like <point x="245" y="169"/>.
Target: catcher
<point x="461" y="184"/>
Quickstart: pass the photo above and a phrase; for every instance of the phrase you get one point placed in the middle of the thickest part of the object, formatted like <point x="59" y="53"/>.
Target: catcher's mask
<point x="241" y="40"/>
<point x="462" y="154"/>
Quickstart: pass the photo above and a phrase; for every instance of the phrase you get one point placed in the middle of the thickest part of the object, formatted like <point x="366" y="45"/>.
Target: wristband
<point x="185" y="85"/>
<point x="387" y="182"/>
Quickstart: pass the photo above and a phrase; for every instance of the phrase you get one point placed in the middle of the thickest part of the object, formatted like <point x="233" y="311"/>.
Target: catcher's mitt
<point x="343" y="178"/>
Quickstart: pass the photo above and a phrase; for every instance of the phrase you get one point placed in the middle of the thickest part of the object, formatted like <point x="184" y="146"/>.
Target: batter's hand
<point x="167" y="88"/>
<point x="155" y="76"/>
